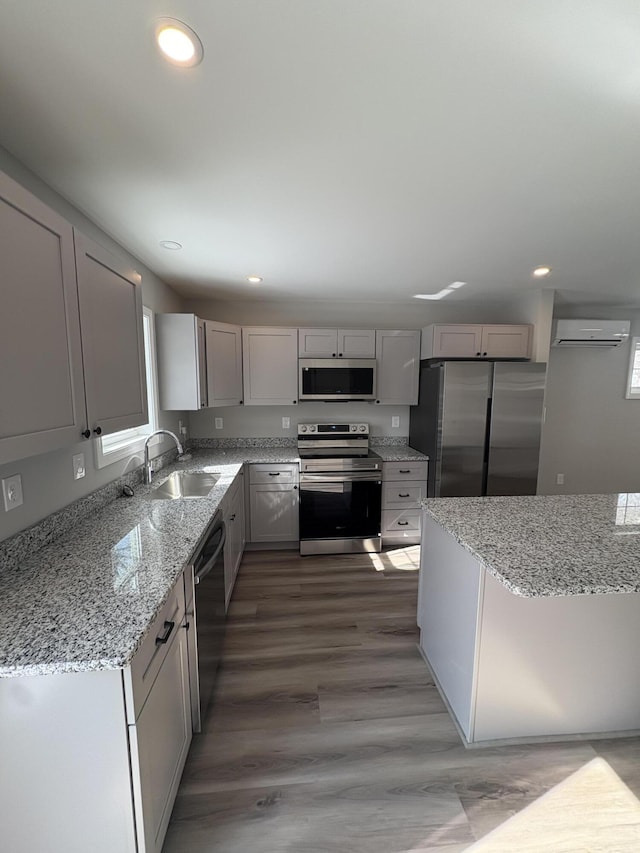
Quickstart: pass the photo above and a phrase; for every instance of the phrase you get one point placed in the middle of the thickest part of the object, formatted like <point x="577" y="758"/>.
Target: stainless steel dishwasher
<point x="206" y="617"/>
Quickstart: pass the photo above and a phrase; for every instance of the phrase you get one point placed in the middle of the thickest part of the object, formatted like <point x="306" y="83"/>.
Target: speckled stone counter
<point x="529" y="614"/>
<point x="549" y="545"/>
<point x="85" y="601"/>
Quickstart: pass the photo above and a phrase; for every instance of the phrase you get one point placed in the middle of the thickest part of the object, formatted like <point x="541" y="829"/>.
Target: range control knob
<point x="362" y="428"/>
<point x="353" y="428"/>
<point x="303" y="428"/>
<point x="312" y="428"/>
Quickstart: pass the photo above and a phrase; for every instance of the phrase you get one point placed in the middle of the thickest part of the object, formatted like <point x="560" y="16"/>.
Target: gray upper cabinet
<point x="110" y="300"/>
<point x="71" y="338"/>
<point x="336" y="343"/>
<point x="224" y="364"/>
<point x="270" y="366"/>
<point x="42" y="405"/>
<point x="199" y="362"/>
<point x="476" y="341"/>
<point x="182" y="362"/>
<point x="398" y="363"/>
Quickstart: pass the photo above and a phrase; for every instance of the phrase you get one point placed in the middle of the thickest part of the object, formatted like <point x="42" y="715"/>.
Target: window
<point x="633" y="379"/>
<point x="119" y="445"/>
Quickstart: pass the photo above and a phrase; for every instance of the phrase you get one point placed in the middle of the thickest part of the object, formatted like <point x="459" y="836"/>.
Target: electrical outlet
<point x="286" y="423"/>
<point x="182" y="429"/>
<point x="12" y="492"/>
<point x="219" y="423"/>
<point x="560" y="479"/>
<point x="78" y="466"/>
<point x="395" y="421"/>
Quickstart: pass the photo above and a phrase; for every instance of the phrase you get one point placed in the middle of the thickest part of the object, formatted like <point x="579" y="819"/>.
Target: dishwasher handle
<point x="204" y="571"/>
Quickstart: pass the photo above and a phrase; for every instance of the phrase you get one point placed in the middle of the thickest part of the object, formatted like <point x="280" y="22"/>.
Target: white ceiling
<point x="342" y="149"/>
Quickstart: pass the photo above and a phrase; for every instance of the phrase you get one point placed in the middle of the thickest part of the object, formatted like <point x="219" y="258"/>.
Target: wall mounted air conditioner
<point x="590" y="333"/>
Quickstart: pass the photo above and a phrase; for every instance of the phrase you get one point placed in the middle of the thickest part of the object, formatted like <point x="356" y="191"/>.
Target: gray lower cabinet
<point x="273" y="502"/>
<point x="404" y="485"/>
<point x="233" y="514"/>
<point x="71" y="329"/>
<point x="95" y="758"/>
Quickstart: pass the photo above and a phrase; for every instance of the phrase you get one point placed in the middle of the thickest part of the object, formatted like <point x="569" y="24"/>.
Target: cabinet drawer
<point x="416" y="470"/>
<point x="266" y="473"/>
<point x="401" y="526"/>
<point x="141" y="674"/>
<point x="400" y="494"/>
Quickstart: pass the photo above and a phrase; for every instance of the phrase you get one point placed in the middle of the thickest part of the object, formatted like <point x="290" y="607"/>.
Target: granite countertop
<point x="85" y="601"/>
<point x="549" y="545"/>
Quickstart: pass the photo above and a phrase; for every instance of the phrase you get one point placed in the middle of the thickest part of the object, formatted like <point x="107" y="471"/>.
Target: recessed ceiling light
<point x="178" y="43"/>
<point x="171" y="245"/>
<point x="254" y="279"/>
<point x="540" y="272"/>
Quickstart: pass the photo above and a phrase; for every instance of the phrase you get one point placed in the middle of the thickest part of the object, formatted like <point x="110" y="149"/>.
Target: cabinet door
<point x="41" y="384"/>
<point x="356" y="343"/>
<point x="457" y="341"/>
<point x="506" y="341"/>
<point x="201" y="355"/>
<point x="270" y="362"/>
<point x="274" y="512"/>
<point x="233" y="512"/>
<point x="224" y="364"/>
<point x="180" y="347"/>
<point x="110" y="300"/>
<point x="160" y="742"/>
<point x="318" y="343"/>
<point x="398" y="355"/>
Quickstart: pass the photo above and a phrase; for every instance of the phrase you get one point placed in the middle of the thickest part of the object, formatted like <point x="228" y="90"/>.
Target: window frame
<point x="110" y="448"/>
<point x="633" y="390"/>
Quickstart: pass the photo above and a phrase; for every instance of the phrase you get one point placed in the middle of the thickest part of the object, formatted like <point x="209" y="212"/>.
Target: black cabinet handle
<point x="233" y="517"/>
<point x="98" y="430"/>
<point x="404" y="496"/>
<point x="484" y="353"/>
<point x="339" y="355"/>
<point x="400" y="524"/>
<point x="86" y="433"/>
<point x="294" y="402"/>
<point x="295" y="487"/>
<point x="405" y="470"/>
<point x="168" y="628"/>
<point x="274" y="473"/>
<point x="333" y="355"/>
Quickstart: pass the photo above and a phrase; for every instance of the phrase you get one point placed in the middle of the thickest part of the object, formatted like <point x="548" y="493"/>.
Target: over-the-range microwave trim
<point x="336" y="379"/>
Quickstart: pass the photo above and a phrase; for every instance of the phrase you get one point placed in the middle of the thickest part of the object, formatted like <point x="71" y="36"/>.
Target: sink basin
<point x="182" y="484"/>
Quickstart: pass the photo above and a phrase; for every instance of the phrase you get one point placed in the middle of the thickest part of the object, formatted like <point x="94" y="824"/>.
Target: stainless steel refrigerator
<point x="480" y="423"/>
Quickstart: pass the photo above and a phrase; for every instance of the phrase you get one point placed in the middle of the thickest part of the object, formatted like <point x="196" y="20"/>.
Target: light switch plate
<point x="286" y="423"/>
<point x="395" y="421"/>
<point x="78" y="466"/>
<point x="219" y="423"/>
<point x="12" y="492"/>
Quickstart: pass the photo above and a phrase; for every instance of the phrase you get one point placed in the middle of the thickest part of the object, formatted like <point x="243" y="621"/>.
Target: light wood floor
<point x="327" y="734"/>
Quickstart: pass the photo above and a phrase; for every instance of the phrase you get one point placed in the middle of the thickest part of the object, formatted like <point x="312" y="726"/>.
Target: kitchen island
<point x="529" y="610"/>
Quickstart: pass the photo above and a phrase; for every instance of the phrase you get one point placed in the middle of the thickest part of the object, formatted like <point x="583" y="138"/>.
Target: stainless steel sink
<point x="182" y="484"/>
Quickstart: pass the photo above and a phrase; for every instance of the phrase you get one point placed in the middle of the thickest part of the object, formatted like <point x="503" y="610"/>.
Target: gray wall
<point x="591" y="433"/>
<point x="47" y="480"/>
<point x="266" y="421"/>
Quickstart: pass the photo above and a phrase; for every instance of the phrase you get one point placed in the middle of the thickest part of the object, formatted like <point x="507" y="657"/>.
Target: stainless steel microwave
<point x="337" y="379"/>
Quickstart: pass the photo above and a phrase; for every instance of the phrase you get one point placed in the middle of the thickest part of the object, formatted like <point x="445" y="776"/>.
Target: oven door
<point x="340" y="513"/>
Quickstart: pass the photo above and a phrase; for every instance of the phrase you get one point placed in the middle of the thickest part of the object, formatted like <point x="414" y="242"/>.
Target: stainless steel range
<point x="340" y="489"/>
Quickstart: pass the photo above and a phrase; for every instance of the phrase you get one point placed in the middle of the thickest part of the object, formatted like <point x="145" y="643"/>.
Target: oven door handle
<point x="204" y="571"/>
<point x="308" y="480"/>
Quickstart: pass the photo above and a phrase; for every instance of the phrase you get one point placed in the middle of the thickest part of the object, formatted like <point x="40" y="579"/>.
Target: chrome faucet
<point x="148" y="467"/>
